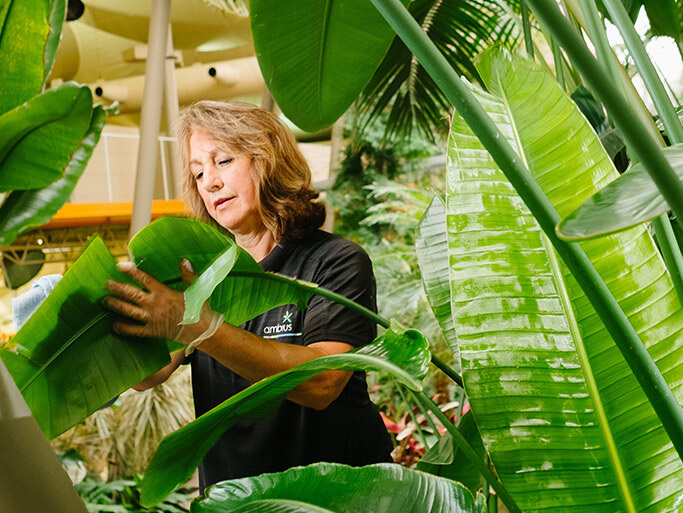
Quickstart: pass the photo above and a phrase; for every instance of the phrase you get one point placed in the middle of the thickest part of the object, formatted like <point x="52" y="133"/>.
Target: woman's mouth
<point x="222" y="202"/>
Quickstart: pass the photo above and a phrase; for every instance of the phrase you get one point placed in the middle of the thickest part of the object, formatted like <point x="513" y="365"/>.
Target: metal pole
<point x="267" y="100"/>
<point x="32" y="478"/>
<point x="150" y="116"/>
<point x="336" y="143"/>
<point x="171" y="102"/>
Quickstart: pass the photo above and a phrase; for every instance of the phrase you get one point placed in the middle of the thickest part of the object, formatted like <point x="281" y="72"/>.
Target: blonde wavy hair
<point x="287" y="203"/>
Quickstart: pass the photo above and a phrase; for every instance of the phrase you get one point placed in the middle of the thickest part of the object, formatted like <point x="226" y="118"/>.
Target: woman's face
<point x="225" y="184"/>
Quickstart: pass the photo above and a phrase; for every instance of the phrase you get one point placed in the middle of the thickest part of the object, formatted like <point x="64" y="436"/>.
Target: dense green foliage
<point x="403" y="354"/>
<point x="46" y="137"/>
<point x="502" y="281"/>
<point x="565" y="363"/>
<point x="416" y="107"/>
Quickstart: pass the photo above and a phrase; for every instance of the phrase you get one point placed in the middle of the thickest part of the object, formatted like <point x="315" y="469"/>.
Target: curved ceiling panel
<point x="194" y="22"/>
<point x="92" y="47"/>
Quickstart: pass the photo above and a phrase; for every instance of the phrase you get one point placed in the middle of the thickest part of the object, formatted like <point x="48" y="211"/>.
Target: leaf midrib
<point x="558" y="278"/>
<point x="64" y="347"/>
<point x="74" y="338"/>
<point x="321" y="54"/>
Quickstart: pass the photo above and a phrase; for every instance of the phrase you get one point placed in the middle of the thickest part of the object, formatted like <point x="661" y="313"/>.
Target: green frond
<point x="461" y="30"/>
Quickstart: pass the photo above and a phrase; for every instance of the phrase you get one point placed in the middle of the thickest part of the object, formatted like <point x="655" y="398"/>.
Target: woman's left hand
<point x="156" y="310"/>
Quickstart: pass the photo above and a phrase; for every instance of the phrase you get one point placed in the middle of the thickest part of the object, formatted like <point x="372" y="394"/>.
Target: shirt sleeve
<point x="346" y="271"/>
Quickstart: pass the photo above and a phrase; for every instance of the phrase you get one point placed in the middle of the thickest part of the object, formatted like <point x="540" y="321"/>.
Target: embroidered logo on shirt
<point x="281" y="330"/>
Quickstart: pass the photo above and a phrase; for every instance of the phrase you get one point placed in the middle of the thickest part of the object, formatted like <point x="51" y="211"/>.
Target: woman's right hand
<point x="156" y="312"/>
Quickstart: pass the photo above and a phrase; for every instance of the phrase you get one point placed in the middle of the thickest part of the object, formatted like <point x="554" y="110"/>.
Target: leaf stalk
<point x="427" y="404"/>
<point x="526" y="24"/>
<point x="447" y="370"/>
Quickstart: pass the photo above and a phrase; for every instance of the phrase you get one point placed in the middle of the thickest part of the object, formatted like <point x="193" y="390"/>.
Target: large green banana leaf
<point x="58" y="12"/>
<point x="316" y="57"/>
<point x="29" y="35"/>
<point x="24" y="210"/>
<point x="278" y="506"/>
<point x="431" y="244"/>
<point x="404" y="354"/>
<point x="38" y="137"/>
<point x="381" y="488"/>
<point x="565" y="422"/>
<point x="68" y="361"/>
<point x="210" y="254"/>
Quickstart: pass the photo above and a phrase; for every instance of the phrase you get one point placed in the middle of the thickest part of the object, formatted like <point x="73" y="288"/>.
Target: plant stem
<point x="636" y="133"/>
<point x="493" y="503"/>
<point x="639" y="360"/>
<point x="411" y="413"/>
<point x="667" y="113"/>
<point x="596" y="31"/>
<point x="671" y="251"/>
<point x="557" y="56"/>
<point x="447" y="370"/>
<point x="526" y="24"/>
<point x="320" y="291"/>
<point x="429" y="420"/>
<point x="632" y="96"/>
<point x="468" y="451"/>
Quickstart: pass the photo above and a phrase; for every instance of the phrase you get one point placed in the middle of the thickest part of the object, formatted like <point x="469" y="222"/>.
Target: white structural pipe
<point x="172" y="108"/>
<point x="150" y="116"/>
<point x="112" y="92"/>
<point x="31" y="478"/>
<point x="194" y="83"/>
<point x="225" y="73"/>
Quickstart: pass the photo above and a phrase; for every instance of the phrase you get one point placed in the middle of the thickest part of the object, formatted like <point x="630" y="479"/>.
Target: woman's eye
<point x="225" y="162"/>
<point x="198" y="176"/>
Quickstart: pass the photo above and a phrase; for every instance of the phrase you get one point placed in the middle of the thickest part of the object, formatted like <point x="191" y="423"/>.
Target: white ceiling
<point x="92" y="47"/>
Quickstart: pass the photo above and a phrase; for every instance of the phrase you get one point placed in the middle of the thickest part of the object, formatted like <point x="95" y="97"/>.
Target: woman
<point x="243" y="171"/>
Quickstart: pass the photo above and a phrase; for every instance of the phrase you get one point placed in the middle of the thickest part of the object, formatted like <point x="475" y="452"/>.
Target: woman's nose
<point x="212" y="180"/>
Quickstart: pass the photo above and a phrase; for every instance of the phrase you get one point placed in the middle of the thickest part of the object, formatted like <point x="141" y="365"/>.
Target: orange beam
<point x="85" y="214"/>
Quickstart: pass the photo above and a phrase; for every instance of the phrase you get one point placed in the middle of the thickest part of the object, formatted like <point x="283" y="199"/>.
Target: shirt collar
<point x="274" y="260"/>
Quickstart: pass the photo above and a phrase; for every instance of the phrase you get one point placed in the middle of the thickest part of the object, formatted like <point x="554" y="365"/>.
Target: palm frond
<point x="240" y="7"/>
<point x="460" y="29"/>
<point x="121" y="440"/>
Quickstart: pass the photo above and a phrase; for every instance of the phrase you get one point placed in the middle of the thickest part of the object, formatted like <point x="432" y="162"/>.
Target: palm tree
<point x="460" y="29"/>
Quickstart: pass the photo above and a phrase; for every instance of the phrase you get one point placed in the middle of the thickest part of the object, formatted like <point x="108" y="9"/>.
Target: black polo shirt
<point x="350" y="430"/>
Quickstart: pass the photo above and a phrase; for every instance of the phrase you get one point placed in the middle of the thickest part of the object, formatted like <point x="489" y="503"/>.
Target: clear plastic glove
<point x="157" y="310"/>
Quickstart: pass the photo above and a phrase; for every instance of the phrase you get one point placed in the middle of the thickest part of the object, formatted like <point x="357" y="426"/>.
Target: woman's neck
<point x="258" y="245"/>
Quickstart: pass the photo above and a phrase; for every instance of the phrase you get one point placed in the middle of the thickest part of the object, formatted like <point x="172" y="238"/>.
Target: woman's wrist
<point x="192" y="335"/>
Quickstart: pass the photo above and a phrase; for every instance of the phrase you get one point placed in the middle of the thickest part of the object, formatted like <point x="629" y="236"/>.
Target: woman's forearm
<point x="255" y="358"/>
<point x="161" y="375"/>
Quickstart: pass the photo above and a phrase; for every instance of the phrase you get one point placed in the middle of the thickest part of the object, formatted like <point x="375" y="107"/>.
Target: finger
<point x="125" y="308"/>
<point x="187" y="272"/>
<point x="142" y="277"/>
<point x="128" y="292"/>
<point x="131" y="330"/>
